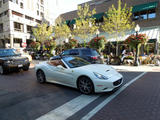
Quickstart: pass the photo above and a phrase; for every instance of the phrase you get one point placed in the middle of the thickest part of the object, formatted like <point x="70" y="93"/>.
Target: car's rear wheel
<point x="2" y="71"/>
<point x="85" y="85"/>
<point x="41" y="76"/>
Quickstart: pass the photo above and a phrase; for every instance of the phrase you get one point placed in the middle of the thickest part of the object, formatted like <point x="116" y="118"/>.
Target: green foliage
<point x="85" y="23"/>
<point x="118" y="21"/>
<point x="35" y="45"/>
<point x="50" y="45"/>
<point x="42" y="32"/>
<point x="61" y="30"/>
<point x="98" y="43"/>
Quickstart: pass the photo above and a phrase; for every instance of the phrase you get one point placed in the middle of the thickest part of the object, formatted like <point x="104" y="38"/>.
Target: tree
<point x="85" y="23"/>
<point x="62" y="31"/>
<point x="118" y="21"/>
<point x="42" y="32"/>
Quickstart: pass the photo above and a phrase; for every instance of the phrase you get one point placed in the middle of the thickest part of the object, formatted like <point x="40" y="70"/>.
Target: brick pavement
<point x="140" y="101"/>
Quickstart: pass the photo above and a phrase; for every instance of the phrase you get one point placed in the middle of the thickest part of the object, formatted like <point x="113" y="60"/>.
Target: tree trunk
<point x="117" y="49"/>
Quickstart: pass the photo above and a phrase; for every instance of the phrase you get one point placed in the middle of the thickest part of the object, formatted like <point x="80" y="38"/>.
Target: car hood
<point x="12" y="58"/>
<point x="103" y="69"/>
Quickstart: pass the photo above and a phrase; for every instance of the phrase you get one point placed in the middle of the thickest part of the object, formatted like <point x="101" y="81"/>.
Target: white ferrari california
<point x="78" y="73"/>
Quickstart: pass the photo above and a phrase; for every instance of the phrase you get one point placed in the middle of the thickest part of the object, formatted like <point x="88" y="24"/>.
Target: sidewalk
<point x="141" y="68"/>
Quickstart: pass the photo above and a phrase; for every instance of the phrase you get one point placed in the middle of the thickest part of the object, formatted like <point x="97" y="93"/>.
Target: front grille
<point x="117" y="82"/>
<point x="18" y="62"/>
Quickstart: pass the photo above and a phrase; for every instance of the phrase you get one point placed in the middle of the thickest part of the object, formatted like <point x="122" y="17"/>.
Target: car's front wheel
<point x="2" y="71"/>
<point x="41" y="76"/>
<point x="85" y="85"/>
<point x="26" y="68"/>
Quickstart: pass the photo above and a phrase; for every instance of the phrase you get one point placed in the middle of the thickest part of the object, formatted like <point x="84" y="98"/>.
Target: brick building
<point x="146" y="13"/>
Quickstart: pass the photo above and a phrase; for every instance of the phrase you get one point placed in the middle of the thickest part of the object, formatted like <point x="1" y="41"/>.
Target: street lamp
<point x="97" y="32"/>
<point x="136" y="62"/>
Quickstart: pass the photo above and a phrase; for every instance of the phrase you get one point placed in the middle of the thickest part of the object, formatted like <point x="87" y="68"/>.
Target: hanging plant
<point x="98" y="43"/>
<point x="134" y="40"/>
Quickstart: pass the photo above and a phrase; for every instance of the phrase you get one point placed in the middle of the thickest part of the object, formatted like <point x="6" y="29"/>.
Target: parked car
<point x="89" y="54"/>
<point x="11" y="60"/>
<point x="78" y="73"/>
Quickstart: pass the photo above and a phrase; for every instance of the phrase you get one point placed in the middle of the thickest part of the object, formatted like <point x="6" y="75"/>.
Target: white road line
<point x="108" y="99"/>
<point x="69" y="108"/>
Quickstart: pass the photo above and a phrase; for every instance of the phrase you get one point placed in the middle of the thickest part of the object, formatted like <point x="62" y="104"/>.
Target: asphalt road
<point x="23" y="98"/>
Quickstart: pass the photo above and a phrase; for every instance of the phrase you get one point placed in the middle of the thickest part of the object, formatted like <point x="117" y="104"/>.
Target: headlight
<point x="100" y="76"/>
<point x="9" y="62"/>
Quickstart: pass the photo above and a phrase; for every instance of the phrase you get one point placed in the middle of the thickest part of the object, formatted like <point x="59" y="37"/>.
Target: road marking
<point x="69" y="108"/>
<point x="110" y="98"/>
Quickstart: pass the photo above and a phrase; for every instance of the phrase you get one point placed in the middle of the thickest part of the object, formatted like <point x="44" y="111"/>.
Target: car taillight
<point x="94" y="57"/>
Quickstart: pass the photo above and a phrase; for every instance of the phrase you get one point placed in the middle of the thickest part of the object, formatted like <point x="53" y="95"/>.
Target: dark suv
<point x="89" y="54"/>
<point x="11" y="60"/>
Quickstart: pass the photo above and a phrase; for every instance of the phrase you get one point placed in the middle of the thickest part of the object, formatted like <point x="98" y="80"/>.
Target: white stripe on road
<point x="108" y="99"/>
<point x="69" y="109"/>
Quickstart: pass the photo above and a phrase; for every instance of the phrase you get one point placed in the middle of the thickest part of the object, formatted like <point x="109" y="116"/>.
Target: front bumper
<point x="10" y="67"/>
<point x="109" y="84"/>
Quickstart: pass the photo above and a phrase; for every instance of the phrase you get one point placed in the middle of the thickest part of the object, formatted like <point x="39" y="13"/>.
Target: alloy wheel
<point x="41" y="76"/>
<point x="85" y="85"/>
<point x="1" y="70"/>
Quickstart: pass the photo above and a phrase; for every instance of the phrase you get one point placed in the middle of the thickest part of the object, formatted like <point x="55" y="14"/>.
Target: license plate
<point x="20" y="65"/>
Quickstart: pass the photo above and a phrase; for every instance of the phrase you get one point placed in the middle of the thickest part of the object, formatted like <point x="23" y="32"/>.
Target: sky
<point x="58" y="7"/>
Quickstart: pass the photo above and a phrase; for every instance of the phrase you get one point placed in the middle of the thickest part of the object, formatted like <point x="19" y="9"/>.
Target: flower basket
<point x="98" y="43"/>
<point x="134" y="40"/>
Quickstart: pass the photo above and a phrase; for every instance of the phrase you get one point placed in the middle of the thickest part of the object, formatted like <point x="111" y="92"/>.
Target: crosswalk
<point x="70" y="108"/>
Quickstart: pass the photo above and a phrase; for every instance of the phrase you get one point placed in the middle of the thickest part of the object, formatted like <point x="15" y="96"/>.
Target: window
<point x="29" y="18"/>
<point x="21" y="5"/>
<point x="0" y="3"/>
<point x="37" y="6"/>
<point x="152" y="14"/>
<point x="1" y="27"/>
<point x="37" y="12"/>
<point x="6" y="12"/>
<point x="4" y="1"/>
<point x="38" y="21"/>
<point x="42" y="14"/>
<point x="74" y="52"/>
<point x="17" y="14"/>
<point x="29" y="29"/>
<point x="42" y="8"/>
<point x="18" y="27"/>
<point x="42" y="2"/>
<point x="144" y="15"/>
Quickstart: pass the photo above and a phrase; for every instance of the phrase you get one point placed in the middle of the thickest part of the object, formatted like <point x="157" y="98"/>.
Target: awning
<point x="143" y="7"/>
<point x="98" y="15"/>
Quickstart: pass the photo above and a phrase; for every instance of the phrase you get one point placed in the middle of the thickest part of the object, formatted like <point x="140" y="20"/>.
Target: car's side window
<point x="74" y="52"/>
<point x="66" y="52"/>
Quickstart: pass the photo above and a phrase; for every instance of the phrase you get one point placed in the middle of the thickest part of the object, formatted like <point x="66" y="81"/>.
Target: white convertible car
<point x="78" y="73"/>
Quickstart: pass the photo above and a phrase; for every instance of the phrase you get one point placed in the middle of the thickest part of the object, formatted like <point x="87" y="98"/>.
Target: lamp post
<point x="136" y="62"/>
<point x="97" y="33"/>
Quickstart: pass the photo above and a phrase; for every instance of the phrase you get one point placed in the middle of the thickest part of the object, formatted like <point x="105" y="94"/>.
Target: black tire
<point x="2" y="70"/>
<point x="41" y="76"/>
<point x="26" y="68"/>
<point x="85" y="85"/>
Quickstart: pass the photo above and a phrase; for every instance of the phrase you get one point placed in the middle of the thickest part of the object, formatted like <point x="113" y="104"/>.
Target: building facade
<point x="146" y="13"/>
<point x="17" y="17"/>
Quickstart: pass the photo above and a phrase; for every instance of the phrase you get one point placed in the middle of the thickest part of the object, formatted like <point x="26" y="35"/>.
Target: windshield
<point x="74" y="62"/>
<point x="7" y="52"/>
